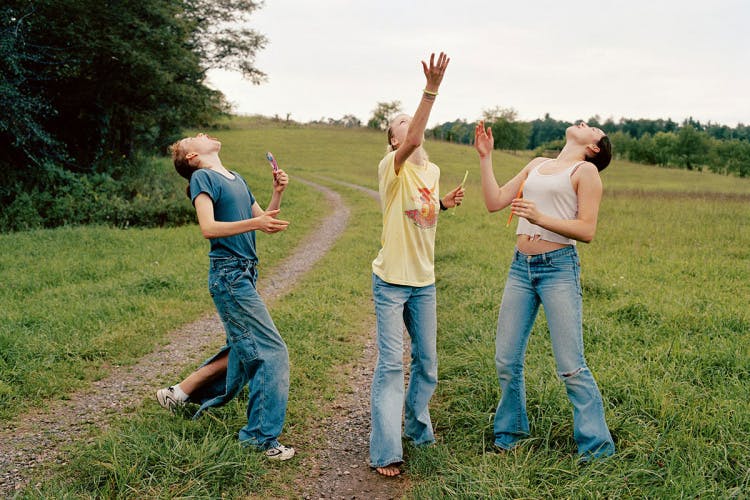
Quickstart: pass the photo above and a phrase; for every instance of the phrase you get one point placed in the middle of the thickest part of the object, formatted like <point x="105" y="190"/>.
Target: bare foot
<point x="388" y="470"/>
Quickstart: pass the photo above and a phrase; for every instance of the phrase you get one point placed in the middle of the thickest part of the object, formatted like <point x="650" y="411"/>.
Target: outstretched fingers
<point x="436" y="70"/>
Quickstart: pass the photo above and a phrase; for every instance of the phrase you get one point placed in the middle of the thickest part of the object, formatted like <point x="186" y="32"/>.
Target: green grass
<point x="666" y="328"/>
<point x="79" y="300"/>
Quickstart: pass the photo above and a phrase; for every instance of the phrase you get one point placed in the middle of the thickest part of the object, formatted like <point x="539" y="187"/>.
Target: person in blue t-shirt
<point x="255" y="353"/>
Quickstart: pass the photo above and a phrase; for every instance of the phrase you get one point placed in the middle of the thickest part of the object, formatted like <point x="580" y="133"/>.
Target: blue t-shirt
<point x="233" y="202"/>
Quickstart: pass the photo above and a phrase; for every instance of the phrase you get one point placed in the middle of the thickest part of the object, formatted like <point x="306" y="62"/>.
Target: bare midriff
<point x="530" y="245"/>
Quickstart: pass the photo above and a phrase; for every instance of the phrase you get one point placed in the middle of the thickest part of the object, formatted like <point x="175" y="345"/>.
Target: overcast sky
<point x="571" y="59"/>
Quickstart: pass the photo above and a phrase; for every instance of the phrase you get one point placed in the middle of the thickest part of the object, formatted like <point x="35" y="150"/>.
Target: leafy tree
<point x="508" y="133"/>
<point x="221" y="38"/>
<point x="111" y="78"/>
<point x="383" y="113"/>
<point x="350" y="121"/>
<point x="692" y="147"/>
<point x="546" y="130"/>
<point x="85" y="85"/>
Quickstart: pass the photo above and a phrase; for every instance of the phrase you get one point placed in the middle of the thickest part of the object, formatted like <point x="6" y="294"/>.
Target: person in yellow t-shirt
<point x="403" y="282"/>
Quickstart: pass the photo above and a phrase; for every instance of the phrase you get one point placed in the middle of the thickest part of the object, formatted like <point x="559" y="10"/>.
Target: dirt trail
<point x="39" y="435"/>
<point x="341" y="470"/>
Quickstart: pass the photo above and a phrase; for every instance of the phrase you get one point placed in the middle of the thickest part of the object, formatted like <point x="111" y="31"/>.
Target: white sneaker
<point x="168" y="400"/>
<point x="280" y="452"/>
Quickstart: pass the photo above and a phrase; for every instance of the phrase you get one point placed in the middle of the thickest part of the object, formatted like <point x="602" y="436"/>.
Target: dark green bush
<point x="146" y="193"/>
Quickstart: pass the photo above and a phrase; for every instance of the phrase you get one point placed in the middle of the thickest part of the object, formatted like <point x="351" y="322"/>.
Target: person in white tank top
<point x="557" y="204"/>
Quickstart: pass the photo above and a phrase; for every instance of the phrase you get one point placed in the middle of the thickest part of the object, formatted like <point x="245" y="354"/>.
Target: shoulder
<point x="587" y="169"/>
<point x="389" y="158"/>
<point x="202" y="179"/>
<point x="387" y="161"/>
<point x="201" y="173"/>
<point x="587" y="177"/>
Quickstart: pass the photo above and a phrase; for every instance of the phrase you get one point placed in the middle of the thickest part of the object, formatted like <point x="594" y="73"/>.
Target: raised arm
<point x="496" y="197"/>
<point x="280" y="182"/>
<point x="415" y="133"/>
<point x="211" y="228"/>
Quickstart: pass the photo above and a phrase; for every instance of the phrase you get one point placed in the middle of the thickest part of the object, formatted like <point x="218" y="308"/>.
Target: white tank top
<point x="554" y="196"/>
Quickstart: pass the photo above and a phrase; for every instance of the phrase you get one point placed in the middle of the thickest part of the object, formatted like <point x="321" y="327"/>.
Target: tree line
<point x="691" y="144"/>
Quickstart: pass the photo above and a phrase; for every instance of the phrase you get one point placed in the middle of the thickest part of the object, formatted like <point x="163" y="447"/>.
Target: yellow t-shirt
<point x="410" y="204"/>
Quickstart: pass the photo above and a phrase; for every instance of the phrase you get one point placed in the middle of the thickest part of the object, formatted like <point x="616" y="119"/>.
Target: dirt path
<point x="38" y="436"/>
<point x="341" y="470"/>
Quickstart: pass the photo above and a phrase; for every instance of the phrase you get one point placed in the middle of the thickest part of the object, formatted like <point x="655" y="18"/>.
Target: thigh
<point x="561" y="297"/>
<point x="244" y="313"/>
<point x="389" y="311"/>
<point x="420" y="317"/>
<point x="518" y="310"/>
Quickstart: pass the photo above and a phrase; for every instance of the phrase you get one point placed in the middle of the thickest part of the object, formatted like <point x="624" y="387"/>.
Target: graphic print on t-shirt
<point x="426" y="216"/>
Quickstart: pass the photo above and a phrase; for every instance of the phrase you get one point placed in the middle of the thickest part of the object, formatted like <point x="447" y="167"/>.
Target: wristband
<point x="443" y="207"/>
<point x="429" y="92"/>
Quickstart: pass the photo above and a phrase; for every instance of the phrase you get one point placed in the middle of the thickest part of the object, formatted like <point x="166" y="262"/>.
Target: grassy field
<point x="666" y="327"/>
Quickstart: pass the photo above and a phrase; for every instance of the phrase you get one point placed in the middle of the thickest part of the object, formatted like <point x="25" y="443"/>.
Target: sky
<point x="571" y="59"/>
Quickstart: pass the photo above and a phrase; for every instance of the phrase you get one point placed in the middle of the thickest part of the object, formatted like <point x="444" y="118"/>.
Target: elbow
<point x="587" y="237"/>
<point x="413" y="142"/>
<point x="493" y="206"/>
<point x="208" y="233"/>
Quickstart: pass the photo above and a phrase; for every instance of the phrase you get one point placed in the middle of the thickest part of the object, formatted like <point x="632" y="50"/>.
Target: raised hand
<point x="483" y="140"/>
<point x="280" y="180"/>
<point x="434" y="73"/>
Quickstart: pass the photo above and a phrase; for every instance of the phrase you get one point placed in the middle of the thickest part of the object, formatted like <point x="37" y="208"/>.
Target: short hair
<point x="604" y="156"/>
<point x="181" y="163"/>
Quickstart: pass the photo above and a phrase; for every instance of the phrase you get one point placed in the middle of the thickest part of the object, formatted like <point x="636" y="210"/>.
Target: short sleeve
<point x="386" y="171"/>
<point x="201" y="182"/>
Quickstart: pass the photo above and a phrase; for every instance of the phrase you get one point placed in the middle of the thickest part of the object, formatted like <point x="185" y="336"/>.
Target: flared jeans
<point x="397" y="306"/>
<point x="551" y="279"/>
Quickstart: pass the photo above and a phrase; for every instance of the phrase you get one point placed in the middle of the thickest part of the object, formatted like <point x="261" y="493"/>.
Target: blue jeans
<point x="257" y="353"/>
<point x="552" y="279"/>
<point x="396" y="306"/>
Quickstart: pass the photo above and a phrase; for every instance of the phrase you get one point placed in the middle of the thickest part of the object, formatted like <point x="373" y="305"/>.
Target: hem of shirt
<point x="570" y="241"/>
<point x="402" y="282"/>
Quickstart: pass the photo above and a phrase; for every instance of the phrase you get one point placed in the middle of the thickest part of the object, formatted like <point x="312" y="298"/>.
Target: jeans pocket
<point x="563" y="263"/>
<point x="233" y="275"/>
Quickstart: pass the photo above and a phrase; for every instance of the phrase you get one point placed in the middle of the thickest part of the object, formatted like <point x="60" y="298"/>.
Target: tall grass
<point x="666" y="328"/>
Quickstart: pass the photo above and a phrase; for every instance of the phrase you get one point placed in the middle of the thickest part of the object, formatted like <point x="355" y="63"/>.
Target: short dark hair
<point x="604" y="156"/>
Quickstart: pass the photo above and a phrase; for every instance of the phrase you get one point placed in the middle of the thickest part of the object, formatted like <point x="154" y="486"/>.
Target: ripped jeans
<point x="553" y="280"/>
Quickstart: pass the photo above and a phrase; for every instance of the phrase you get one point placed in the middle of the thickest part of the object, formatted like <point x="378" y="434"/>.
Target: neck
<point x="572" y="153"/>
<point x="212" y="161"/>
<point x="418" y="157"/>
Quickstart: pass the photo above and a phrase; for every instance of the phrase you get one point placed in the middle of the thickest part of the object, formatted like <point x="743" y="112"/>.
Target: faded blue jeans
<point x="552" y="279"/>
<point x="257" y="354"/>
<point x="396" y="306"/>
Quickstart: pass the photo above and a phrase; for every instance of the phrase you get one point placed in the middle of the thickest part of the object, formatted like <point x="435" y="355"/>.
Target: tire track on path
<point x="38" y="436"/>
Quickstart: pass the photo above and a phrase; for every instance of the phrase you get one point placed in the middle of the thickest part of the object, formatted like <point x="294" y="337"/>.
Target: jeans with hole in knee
<point x="257" y="355"/>
<point x="397" y="306"/>
<point x="551" y="279"/>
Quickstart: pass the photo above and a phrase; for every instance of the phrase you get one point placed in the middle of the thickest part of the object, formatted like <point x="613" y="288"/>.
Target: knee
<point x="572" y="376"/>
<point x="507" y="368"/>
